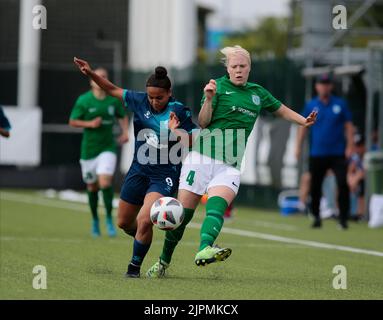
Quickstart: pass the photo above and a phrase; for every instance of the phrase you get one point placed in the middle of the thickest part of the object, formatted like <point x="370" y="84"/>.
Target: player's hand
<point x="96" y="122"/>
<point x="82" y="65"/>
<point x="210" y="89"/>
<point x="123" y="138"/>
<point x="174" y="122"/>
<point x="310" y="120"/>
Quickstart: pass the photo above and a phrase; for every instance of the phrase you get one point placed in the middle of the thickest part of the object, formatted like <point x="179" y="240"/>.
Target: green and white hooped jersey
<point x="235" y="110"/>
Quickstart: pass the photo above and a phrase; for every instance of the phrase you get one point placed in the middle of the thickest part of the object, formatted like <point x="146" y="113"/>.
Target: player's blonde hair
<point x="230" y="51"/>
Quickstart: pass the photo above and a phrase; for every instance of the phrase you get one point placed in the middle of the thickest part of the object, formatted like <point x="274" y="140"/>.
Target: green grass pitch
<point x="35" y="230"/>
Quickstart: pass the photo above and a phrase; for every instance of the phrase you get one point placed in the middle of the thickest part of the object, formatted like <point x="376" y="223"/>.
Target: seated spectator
<point x="355" y="177"/>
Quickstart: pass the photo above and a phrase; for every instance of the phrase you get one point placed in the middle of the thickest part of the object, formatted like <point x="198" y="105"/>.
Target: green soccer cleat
<point x="157" y="270"/>
<point x="211" y="254"/>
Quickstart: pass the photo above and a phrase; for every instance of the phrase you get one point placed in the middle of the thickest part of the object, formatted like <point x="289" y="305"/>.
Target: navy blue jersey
<point x="327" y="136"/>
<point x="153" y="140"/>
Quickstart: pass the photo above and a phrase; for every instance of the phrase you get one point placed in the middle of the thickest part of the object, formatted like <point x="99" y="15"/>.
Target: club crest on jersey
<point x="111" y="110"/>
<point x="256" y="99"/>
<point x="147" y="114"/>
<point x="336" y="108"/>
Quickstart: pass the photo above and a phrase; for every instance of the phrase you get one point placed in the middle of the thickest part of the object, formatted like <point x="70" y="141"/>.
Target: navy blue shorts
<point x="142" y="179"/>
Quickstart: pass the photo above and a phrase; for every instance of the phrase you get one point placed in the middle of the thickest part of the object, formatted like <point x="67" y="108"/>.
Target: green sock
<point x="93" y="203"/>
<point x="173" y="237"/>
<point x="213" y="222"/>
<point x="107" y="194"/>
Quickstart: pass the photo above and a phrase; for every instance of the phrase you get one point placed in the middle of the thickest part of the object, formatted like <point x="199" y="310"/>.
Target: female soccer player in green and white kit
<point x="230" y="107"/>
<point x="95" y="111"/>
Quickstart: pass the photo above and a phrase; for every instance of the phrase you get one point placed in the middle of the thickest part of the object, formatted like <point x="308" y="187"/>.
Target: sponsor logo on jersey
<point x="111" y="110"/>
<point x="336" y="108"/>
<point x="147" y="114"/>
<point x="256" y="99"/>
<point x="244" y="111"/>
<point x="230" y="92"/>
<point x="92" y="110"/>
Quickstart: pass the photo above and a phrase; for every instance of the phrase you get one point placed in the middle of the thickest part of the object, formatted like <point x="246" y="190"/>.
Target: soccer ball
<point x="167" y="213"/>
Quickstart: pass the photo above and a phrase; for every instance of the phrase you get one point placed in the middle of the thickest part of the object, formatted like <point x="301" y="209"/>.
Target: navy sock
<point x="139" y="252"/>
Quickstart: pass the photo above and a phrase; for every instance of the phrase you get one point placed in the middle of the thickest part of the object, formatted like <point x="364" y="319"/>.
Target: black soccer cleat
<point x="317" y="223"/>
<point x="133" y="271"/>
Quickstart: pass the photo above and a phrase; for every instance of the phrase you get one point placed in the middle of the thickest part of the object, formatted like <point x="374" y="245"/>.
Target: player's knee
<point x="129" y="229"/>
<point x="144" y="223"/>
<point x="125" y="225"/>
<point x="122" y="224"/>
<point x="104" y="184"/>
<point x="92" y="187"/>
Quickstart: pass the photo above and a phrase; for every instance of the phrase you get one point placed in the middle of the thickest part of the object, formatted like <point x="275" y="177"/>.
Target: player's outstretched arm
<point x="124" y="124"/>
<point x="291" y="115"/>
<point x="204" y="116"/>
<point x="105" y="84"/>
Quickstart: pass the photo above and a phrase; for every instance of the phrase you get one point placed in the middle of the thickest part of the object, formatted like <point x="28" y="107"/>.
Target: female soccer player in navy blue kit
<point x="155" y="169"/>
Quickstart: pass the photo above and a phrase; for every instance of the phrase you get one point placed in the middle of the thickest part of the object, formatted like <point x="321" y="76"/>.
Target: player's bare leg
<point x="144" y="235"/>
<point x="127" y="217"/>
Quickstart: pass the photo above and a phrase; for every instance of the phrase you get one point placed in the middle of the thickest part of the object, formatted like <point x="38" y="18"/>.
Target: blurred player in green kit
<point x="95" y="111"/>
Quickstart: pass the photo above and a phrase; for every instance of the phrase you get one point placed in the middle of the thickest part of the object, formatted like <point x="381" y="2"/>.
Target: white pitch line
<point x="266" y="224"/>
<point x="53" y="203"/>
<point x="271" y="237"/>
<point x="245" y="233"/>
<point x="123" y="242"/>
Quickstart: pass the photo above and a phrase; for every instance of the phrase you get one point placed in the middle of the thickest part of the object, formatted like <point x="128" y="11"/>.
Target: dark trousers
<point x="318" y="169"/>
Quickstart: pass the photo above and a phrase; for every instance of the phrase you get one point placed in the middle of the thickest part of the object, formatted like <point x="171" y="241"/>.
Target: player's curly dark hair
<point x="159" y="79"/>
